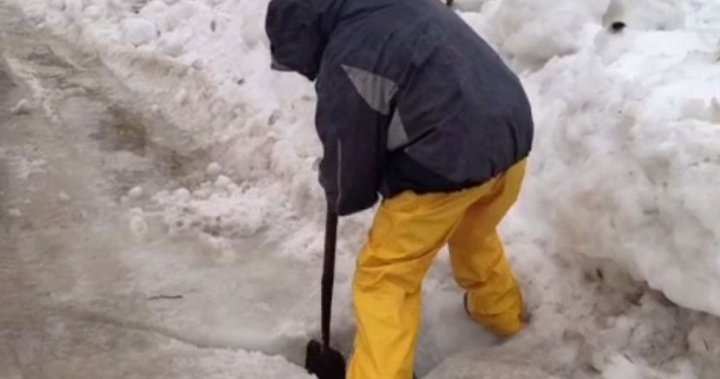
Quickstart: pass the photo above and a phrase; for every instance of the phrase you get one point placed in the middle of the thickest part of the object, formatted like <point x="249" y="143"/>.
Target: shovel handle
<point x="328" y="275"/>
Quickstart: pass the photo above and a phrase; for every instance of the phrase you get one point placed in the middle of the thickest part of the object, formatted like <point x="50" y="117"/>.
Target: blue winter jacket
<point x="410" y="98"/>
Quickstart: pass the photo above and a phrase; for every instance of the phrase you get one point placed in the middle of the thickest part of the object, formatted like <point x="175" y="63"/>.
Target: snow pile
<point x="627" y="158"/>
<point x="628" y="140"/>
<point x="622" y="180"/>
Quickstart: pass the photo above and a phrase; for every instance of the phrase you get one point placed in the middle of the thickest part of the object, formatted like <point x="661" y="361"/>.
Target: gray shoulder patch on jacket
<point x="397" y="136"/>
<point x="376" y="90"/>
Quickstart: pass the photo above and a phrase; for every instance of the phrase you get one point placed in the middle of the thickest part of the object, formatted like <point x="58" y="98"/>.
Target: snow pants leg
<point x="407" y="233"/>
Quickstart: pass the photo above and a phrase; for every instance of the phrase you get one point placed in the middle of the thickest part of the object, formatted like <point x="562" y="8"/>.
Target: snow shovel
<point x="320" y="359"/>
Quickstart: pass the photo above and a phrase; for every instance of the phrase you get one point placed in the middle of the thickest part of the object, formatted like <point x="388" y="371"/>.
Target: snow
<point x="621" y="199"/>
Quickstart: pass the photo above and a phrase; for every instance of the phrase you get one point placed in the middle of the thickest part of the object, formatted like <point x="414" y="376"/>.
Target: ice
<point x="138" y="31"/>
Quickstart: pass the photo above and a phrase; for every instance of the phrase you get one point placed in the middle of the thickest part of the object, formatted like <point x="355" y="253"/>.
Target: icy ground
<point x="160" y="217"/>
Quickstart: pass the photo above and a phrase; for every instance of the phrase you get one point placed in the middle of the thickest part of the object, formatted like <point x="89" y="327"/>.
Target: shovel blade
<point x="324" y="363"/>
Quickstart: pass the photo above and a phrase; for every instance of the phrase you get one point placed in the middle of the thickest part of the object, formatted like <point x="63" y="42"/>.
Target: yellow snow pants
<point x="407" y="234"/>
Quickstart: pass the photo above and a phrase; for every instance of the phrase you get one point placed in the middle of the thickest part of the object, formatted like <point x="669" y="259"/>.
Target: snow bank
<point x="626" y="160"/>
<point x="627" y="157"/>
<point x="628" y="143"/>
<point x="622" y="181"/>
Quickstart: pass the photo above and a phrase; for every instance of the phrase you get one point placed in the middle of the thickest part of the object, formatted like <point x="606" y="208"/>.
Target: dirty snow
<point x="617" y="224"/>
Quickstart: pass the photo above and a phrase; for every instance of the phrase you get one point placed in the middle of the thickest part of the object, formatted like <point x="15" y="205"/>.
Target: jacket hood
<point x="298" y="31"/>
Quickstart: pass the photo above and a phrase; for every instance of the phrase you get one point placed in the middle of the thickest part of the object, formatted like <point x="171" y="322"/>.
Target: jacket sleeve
<point x="353" y="136"/>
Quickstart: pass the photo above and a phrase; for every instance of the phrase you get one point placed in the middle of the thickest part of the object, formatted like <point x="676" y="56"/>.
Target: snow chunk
<point x="22" y="107"/>
<point x="223" y="182"/>
<point x="172" y="44"/>
<point x="182" y="194"/>
<point x="138" y="225"/>
<point x="213" y="169"/>
<point x="198" y="64"/>
<point x="62" y="196"/>
<point x="135" y="193"/>
<point x="138" y="31"/>
<point x="95" y="12"/>
<point x="620" y="367"/>
<point x="181" y="96"/>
